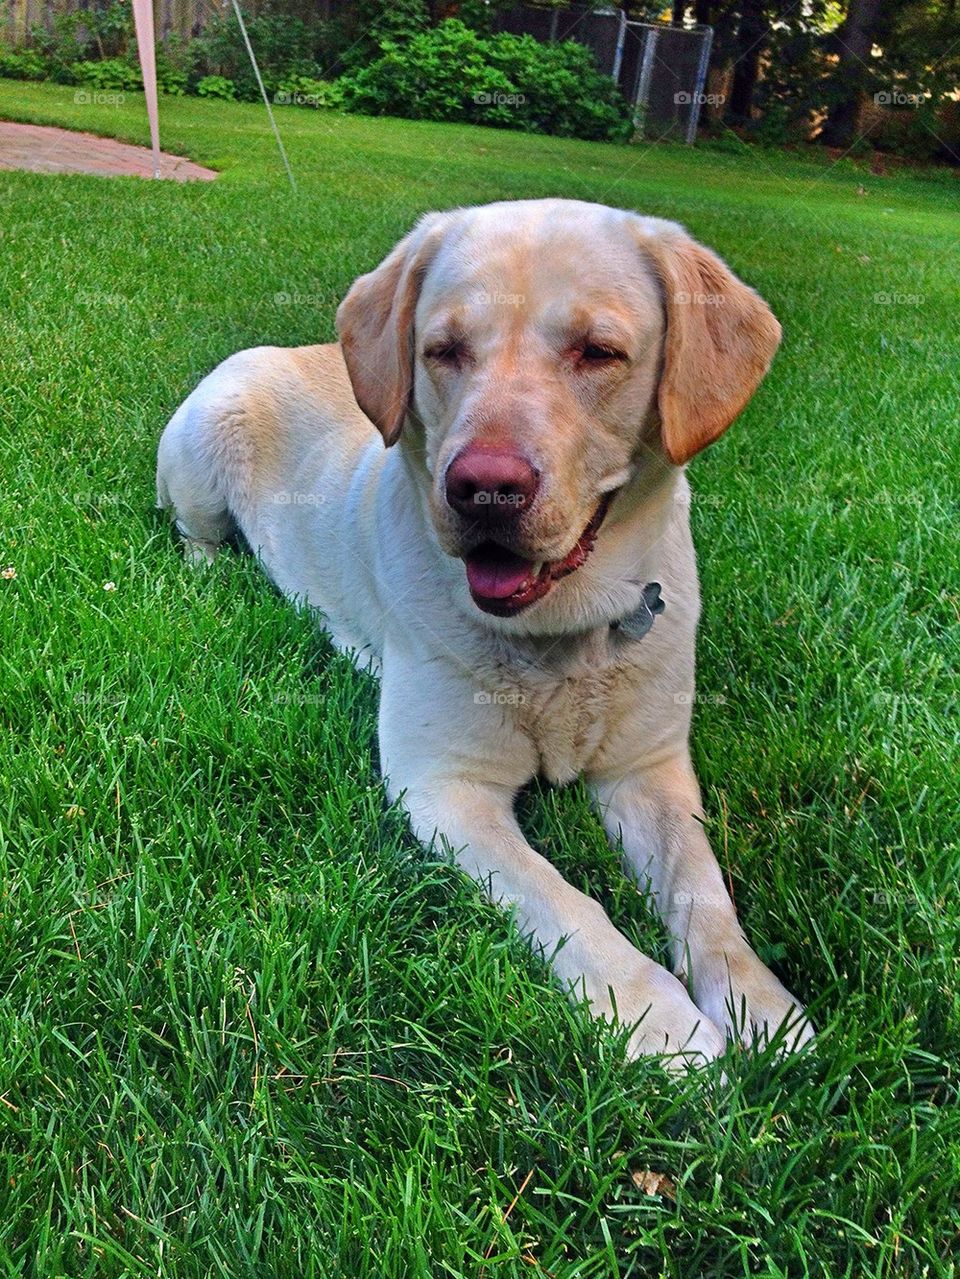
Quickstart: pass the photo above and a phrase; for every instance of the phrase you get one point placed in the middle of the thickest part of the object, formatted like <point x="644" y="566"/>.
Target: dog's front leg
<point x="591" y="957"/>
<point x="657" y="815"/>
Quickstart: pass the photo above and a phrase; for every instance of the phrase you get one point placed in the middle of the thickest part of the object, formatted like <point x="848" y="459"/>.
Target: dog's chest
<point x="569" y="708"/>
<point x="570" y="723"/>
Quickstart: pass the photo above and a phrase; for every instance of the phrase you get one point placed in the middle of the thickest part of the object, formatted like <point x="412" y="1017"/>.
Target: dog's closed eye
<point x="451" y="352"/>
<point x="600" y="353"/>
<point x="597" y="357"/>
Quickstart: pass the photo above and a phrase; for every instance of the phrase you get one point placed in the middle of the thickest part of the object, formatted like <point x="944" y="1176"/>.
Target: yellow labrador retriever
<point x="516" y="562"/>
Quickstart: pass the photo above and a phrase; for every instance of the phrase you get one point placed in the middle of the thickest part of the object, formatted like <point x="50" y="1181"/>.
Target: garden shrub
<point x="565" y="92"/>
<point x="93" y="34"/>
<point x="947" y="127"/>
<point x="921" y="131"/>
<point x="451" y="73"/>
<point x="22" y="64"/>
<point x="306" y="91"/>
<point x="791" y="94"/>
<point x="110" y="73"/>
<point x="440" y="75"/>
<point x="482" y="16"/>
<point x="777" y="127"/>
<point x="120" y="73"/>
<point x="171" y="78"/>
<point x="216" y="86"/>
<point x="371" y="25"/>
<point x="285" y="46"/>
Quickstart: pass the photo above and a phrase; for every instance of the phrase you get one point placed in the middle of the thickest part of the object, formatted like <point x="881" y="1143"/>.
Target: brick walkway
<point x="42" y="149"/>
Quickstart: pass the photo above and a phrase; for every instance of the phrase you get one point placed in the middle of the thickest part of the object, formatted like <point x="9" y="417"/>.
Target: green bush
<point x="216" y="86"/>
<point x="170" y="78"/>
<point x="305" y="91"/>
<point x="918" y="131"/>
<point x="482" y="15"/>
<point x="97" y="33"/>
<point x="776" y="127"/>
<point x="565" y="92"/>
<point x="110" y="73"/>
<point x="285" y="46"/>
<point x="22" y="64"/>
<point x="451" y="73"/>
<point x="372" y="25"/>
<point x="440" y="75"/>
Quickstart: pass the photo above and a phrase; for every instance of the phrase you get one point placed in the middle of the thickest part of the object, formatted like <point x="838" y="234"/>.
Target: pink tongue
<point x="494" y="573"/>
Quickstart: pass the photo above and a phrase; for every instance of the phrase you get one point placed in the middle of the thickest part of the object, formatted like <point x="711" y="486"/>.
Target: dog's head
<point x="541" y="353"/>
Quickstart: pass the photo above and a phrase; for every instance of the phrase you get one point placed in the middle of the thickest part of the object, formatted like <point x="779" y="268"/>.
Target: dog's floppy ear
<point x="720" y="339"/>
<point x="375" y="324"/>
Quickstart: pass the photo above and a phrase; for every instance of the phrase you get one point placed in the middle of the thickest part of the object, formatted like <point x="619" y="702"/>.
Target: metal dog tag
<point x="636" y="624"/>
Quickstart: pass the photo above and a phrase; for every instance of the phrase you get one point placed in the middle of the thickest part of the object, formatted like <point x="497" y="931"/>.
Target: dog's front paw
<point x="737" y="991"/>
<point x="668" y="1023"/>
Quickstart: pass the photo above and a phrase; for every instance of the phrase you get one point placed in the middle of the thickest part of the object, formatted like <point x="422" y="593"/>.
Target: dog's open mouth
<point x="503" y="583"/>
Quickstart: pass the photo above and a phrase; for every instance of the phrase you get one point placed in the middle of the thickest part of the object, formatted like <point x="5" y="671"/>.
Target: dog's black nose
<point x="491" y="484"/>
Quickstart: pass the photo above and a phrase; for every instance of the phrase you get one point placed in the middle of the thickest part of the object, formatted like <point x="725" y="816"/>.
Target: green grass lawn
<point x="247" y="1027"/>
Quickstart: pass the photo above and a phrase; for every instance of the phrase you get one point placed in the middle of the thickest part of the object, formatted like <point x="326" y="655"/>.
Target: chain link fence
<point x="661" y="69"/>
<point x="671" y="75"/>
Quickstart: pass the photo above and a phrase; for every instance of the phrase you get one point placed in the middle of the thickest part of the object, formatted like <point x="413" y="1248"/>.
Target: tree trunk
<point x="677" y="13"/>
<point x="853" y="42"/>
<point x="751" y="39"/>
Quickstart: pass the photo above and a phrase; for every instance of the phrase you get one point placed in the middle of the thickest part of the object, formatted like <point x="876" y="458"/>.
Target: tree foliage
<point x="847" y="72"/>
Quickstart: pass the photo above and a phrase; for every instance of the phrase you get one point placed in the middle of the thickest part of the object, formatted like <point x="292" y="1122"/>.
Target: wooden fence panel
<point x="172" y="18"/>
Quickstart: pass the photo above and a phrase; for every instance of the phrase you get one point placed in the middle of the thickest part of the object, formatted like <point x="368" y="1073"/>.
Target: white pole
<point x="263" y="92"/>
<point x="146" y="48"/>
